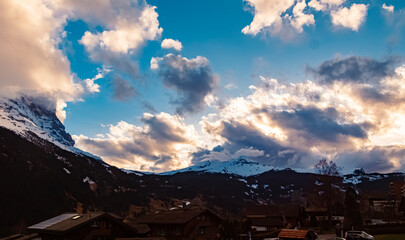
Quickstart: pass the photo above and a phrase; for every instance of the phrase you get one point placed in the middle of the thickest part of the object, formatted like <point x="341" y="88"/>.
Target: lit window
<point x="202" y="230"/>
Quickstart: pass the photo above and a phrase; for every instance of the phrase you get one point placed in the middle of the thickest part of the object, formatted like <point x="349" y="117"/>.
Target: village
<point x="370" y="213"/>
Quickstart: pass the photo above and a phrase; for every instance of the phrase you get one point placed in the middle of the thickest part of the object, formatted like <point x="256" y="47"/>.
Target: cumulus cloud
<point x="272" y="17"/>
<point x="33" y="64"/>
<point x="170" y="43"/>
<point x="351" y="17"/>
<point x="389" y="8"/>
<point x="123" y="90"/>
<point x="191" y="78"/>
<point x="267" y="13"/>
<point x="163" y="142"/>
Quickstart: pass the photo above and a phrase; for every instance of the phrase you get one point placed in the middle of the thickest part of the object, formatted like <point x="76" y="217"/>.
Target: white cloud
<point x="30" y="60"/>
<point x="323" y="5"/>
<point x="267" y="13"/>
<point x="351" y="17"/>
<point x="154" y="62"/>
<point x="300" y="18"/>
<point x="125" y="34"/>
<point x="389" y="8"/>
<point x="170" y="43"/>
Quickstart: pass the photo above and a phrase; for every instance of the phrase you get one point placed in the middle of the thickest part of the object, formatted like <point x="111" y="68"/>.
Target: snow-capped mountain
<point x="25" y="117"/>
<point x="241" y="166"/>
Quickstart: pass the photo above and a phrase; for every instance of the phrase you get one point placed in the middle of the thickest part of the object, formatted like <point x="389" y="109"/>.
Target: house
<point x="88" y="226"/>
<point x="294" y="234"/>
<point x="266" y="217"/>
<point x="184" y="223"/>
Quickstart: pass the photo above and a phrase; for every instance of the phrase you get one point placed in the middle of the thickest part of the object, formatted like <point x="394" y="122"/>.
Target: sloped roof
<point x="176" y="216"/>
<point x="22" y="237"/>
<point x="268" y="222"/>
<point x="273" y="210"/>
<point x="294" y="234"/>
<point x="69" y="221"/>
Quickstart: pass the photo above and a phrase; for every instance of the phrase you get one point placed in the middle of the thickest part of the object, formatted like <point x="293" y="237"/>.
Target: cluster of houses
<point x="191" y="223"/>
<point x="198" y="223"/>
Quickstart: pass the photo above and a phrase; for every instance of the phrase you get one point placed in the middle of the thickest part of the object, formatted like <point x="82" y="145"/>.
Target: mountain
<point x="241" y="166"/>
<point x="29" y="118"/>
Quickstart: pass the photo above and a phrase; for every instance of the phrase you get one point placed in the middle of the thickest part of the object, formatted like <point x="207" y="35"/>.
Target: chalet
<point x="294" y="234"/>
<point x="267" y="217"/>
<point x="88" y="226"/>
<point x="186" y="223"/>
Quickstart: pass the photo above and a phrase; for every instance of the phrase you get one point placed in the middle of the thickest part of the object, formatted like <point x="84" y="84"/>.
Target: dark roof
<point x="140" y="227"/>
<point x="176" y="216"/>
<point x="69" y="221"/>
<point x="273" y="210"/>
<point x="22" y="237"/>
<point x="294" y="234"/>
<point x="316" y="209"/>
<point x="267" y="222"/>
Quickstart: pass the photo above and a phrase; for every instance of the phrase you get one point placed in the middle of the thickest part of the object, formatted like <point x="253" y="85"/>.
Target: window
<point x="202" y="230"/>
<point x="95" y="224"/>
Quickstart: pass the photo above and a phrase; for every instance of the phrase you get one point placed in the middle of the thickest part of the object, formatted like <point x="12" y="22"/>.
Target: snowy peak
<point x="25" y="117"/>
<point x="241" y="166"/>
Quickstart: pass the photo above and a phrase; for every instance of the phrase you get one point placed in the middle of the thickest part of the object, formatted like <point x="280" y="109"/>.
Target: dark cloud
<point x="164" y="131"/>
<point x="375" y="159"/>
<point x="315" y="124"/>
<point x="191" y="78"/>
<point x="123" y="91"/>
<point x="354" y="69"/>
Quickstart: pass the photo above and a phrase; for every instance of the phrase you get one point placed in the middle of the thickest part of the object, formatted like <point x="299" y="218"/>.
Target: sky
<point x="161" y="85"/>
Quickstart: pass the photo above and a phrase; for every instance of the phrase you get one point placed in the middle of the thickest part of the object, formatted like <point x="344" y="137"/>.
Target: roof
<point x="268" y="222"/>
<point x="315" y="208"/>
<point x="69" y="221"/>
<point x="273" y="210"/>
<point x="22" y="237"/>
<point x="292" y="233"/>
<point x="176" y="216"/>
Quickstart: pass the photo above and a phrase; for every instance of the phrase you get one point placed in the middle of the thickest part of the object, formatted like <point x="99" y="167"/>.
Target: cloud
<point x="324" y="5"/>
<point x="343" y="116"/>
<point x="170" y="43"/>
<point x="32" y="62"/>
<point x="191" y="78"/>
<point x="163" y="142"/>
<point x="351" y="17"/>
<point x="389" y="8"/>
<point x="123" y="91"/>
<point x="127" y="30"/>
<point x="354" y="69"/>
<point x="267" y="14"/>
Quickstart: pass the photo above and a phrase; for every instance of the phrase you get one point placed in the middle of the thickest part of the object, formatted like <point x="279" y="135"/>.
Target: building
<point x="266" y="217"/>
<point x="185" y="223"/>
<point x="88" y="226"/>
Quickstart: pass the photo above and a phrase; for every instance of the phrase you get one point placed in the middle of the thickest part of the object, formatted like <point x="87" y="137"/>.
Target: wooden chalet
<point x="266" y="217"/>
<point x="88" y="226"/>
<point x="184" y="223"/>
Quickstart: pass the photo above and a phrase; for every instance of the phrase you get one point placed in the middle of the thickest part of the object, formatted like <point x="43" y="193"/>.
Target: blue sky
<point x="281" y="82"/>
<point x="213" y="29"/>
